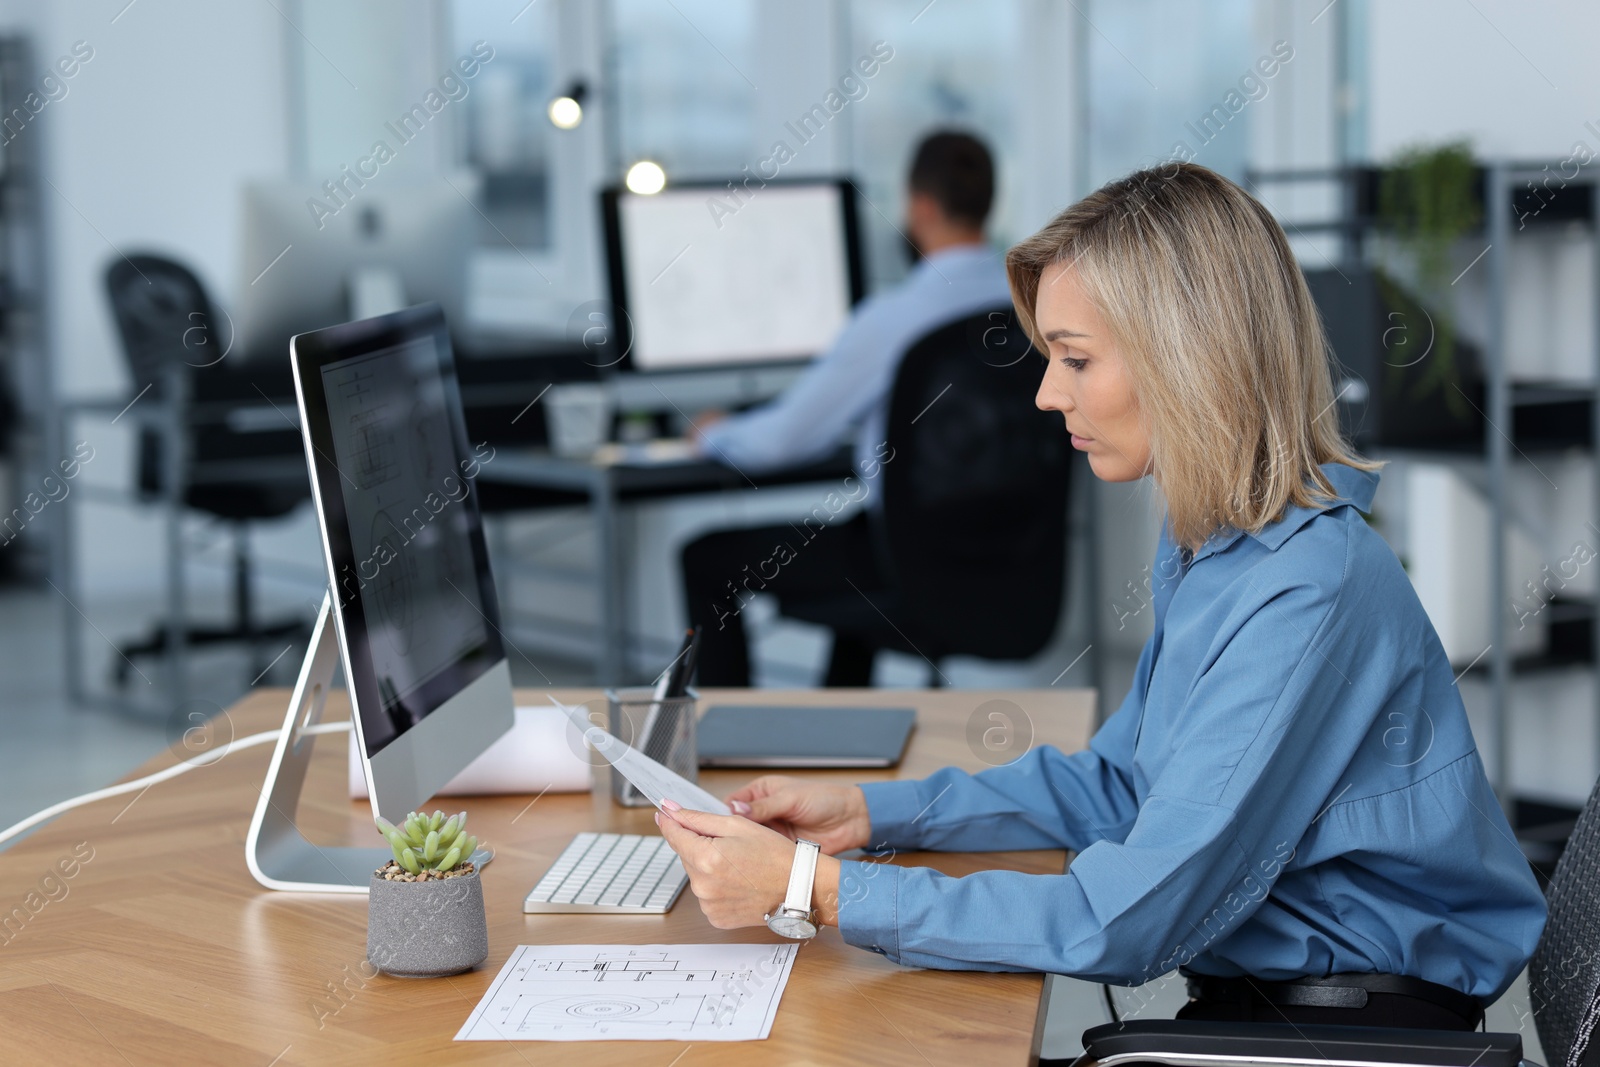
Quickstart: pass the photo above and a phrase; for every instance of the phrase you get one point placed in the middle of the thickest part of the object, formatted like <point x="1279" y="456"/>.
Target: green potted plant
<point x="425" y="915"/>
<point x="1427" y="201"/>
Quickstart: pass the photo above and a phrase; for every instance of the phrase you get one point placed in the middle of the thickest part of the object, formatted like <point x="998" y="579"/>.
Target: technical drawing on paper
<point x="650" y="992"/>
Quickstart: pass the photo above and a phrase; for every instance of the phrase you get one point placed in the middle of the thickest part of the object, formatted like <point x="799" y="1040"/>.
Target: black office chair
<point x="972" y="532"/>
<point x="239" y="472"/>
<point x="1564" y="976"/>
<point x="1563" y="987"/>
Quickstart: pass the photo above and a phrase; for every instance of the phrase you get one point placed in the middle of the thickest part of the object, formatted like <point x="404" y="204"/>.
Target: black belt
<point x="1334" y="991"/>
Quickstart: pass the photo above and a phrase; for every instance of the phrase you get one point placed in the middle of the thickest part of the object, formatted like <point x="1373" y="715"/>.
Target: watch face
<point x="795" y="926"/>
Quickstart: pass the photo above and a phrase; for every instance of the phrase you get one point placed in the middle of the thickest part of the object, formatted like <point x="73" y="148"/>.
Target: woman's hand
<point x="834" y="816"/>
<point x="739" y="870"/>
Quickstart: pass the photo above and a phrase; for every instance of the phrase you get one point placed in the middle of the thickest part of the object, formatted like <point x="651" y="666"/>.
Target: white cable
<point x="265" y="737"/>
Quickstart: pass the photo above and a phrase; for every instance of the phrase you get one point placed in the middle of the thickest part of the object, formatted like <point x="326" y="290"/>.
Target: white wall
<point x="360" y="64"/>
<point x="1518" y="78"/>
<point x="182" y="100"/>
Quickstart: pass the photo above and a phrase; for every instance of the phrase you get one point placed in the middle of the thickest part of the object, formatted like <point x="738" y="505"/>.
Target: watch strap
<point x="802" y="876"/>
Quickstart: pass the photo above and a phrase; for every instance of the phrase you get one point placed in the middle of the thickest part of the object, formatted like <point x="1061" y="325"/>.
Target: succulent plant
<point x="429" y="842"/>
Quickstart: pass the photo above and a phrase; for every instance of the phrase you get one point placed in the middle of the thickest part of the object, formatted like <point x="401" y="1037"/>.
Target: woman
<point x="1290" y="793"/>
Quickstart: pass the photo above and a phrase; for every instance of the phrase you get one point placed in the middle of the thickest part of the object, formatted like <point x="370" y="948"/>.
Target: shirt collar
<point x="955" y="257"/>
<point x="1352" y="487"/>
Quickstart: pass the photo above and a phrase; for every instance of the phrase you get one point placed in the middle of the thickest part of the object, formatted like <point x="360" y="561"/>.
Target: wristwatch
<point x="795" y="917"/>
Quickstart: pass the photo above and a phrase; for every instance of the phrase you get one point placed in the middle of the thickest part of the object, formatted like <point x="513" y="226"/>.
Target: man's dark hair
<point x="958" y="172"/>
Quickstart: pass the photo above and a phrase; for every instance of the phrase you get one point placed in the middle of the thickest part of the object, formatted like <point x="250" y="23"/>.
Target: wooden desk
<point x="161" y="949"/>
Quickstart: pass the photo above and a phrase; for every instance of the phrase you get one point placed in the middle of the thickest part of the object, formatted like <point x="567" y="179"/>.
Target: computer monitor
<point x="720" y="274"/>
<point x="411" y="611"/>
<point x="413" y="600"/>
<point x="311" y="259"/>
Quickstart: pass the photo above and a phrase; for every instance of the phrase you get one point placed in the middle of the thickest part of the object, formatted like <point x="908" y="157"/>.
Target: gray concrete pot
<point x="427" y="929"/>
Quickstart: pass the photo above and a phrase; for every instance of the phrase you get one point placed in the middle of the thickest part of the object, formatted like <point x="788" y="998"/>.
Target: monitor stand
<point x="277" y="852"/>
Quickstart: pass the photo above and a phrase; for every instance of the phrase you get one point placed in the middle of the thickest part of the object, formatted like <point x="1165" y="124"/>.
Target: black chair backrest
<point x="975" y="492"/>
<point x="1564" y="975"/>
<point x="164" y="317"/>
<point x="171" y="340"/>
<point x="155" y="303"/>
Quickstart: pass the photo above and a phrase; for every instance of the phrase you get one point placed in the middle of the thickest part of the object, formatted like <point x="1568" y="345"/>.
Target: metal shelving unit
<point x="24" y="348"/>
<point x="1502" y="395"/>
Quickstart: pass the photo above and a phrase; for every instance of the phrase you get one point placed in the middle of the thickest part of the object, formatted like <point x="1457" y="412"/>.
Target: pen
<point x="667" y="686"/>
<point x="688" y="660"/>
<point x="680" y="688"/>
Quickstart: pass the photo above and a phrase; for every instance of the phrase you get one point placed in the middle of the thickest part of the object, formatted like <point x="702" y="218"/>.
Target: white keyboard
<point x="618" y="874"/>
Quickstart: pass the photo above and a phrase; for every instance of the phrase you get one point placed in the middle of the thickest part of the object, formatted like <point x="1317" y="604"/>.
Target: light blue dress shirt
<point x="847" y="388"/>
<point x="1289" y="789"/>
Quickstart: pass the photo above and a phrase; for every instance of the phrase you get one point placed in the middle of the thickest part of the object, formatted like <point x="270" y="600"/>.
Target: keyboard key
<point x="601" y="872"/>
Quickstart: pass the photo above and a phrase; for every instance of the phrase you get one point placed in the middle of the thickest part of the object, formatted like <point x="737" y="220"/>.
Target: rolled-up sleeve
<point x="1266" y="732"/>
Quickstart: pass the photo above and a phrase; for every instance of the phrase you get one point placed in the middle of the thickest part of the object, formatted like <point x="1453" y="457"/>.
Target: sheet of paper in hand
<point x="649" y="777"/>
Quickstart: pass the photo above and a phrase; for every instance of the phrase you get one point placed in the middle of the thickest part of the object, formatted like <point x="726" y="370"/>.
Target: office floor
<point x="50" y="750"/>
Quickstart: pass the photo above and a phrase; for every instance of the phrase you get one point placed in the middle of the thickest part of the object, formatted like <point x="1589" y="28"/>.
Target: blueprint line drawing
<point x="642" y="993"/>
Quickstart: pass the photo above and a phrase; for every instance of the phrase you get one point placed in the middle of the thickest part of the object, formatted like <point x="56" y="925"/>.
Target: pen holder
<point x="663" y="729"/>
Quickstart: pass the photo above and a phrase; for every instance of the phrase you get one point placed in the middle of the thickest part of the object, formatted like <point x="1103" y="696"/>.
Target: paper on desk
<point x="642" y="993"/>
<point x="657" y="453"/>
<point x="649" y="777"/>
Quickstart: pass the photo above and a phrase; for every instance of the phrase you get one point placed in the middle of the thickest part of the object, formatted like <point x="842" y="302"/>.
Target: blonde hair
<point x="1224" y="347"/>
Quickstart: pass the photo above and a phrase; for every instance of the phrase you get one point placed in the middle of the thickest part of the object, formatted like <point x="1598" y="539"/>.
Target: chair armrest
<point x="1212" y="1044"/>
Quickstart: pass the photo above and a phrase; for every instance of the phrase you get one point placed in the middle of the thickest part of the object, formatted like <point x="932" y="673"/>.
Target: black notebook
<point x="767" y="735"/>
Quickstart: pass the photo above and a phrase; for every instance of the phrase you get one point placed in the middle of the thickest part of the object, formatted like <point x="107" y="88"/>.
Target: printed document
<point x="642" y="993"/>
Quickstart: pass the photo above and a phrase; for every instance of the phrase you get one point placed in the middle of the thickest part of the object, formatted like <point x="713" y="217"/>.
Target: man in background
<point x="843" y="396"/>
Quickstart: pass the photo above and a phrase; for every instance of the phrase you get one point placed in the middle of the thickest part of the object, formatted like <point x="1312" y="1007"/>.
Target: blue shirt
<point x="847" y="389"/>
<point x="1289" y="789"/>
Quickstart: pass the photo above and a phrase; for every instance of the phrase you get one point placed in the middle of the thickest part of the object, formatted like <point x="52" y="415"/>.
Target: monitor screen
<point x="404" y="537"/>
<point x="708" y="278"/>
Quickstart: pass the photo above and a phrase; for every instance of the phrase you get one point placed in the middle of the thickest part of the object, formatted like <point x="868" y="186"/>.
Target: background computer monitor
<point x="403" y="241"/>
<point x="413" y="598"/>
<point x="703" y="276"/>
